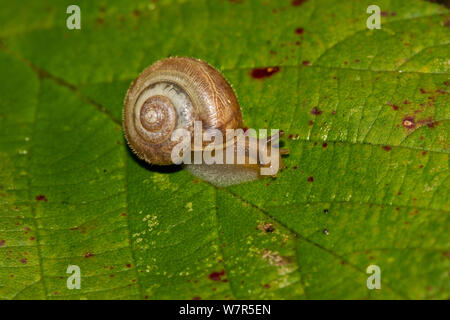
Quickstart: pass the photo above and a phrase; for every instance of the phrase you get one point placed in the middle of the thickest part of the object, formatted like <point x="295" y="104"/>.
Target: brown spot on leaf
<point x="324" y="144"/>
<point x="409" y="122"/>
<point x="394" y="106"/>
<point x="217" y="276"/>
<point x="299" y="31"/>
<point x="429" y="122"/>
<point x="387" y="148"/>
<point x="315" y="111"/>
<point x="2" y="243"/>
<point x="41" y="197"/>
<point x="261" y="73"/>
<point x="88" y="255"/>
<point x="311" y="179"/>
<point x="24" y="261"/>
<point x="266" y="227"/>
<point x="306" y="63"/>
<point x="296" y="3"/>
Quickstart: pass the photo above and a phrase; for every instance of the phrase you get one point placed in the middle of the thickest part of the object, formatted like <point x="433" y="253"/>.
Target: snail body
<point x="173" y="94"/>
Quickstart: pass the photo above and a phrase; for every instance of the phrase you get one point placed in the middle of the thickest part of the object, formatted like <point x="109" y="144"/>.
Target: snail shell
<point x="171" y="94"/>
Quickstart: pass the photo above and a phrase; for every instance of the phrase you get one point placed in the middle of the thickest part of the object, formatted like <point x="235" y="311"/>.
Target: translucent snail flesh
<point x="172" y="94"/>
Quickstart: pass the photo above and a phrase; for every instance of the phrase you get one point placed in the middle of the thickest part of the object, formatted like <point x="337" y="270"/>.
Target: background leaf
<point x="367" y="119"/>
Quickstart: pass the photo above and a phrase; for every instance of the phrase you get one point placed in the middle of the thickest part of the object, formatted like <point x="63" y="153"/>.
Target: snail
<point x="178" y="93"/>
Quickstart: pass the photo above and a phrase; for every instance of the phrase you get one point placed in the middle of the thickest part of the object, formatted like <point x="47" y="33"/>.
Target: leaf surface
<point x="366" y="182"/>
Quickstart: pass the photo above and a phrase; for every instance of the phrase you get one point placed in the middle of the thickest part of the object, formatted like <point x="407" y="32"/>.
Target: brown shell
<point x="212" y="98"/>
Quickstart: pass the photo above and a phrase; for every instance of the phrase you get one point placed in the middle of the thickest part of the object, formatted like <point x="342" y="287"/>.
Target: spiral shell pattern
<point x="173" y="93"/>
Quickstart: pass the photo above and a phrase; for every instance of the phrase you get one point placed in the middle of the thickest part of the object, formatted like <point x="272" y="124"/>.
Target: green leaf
<point x="366" y="181"/>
